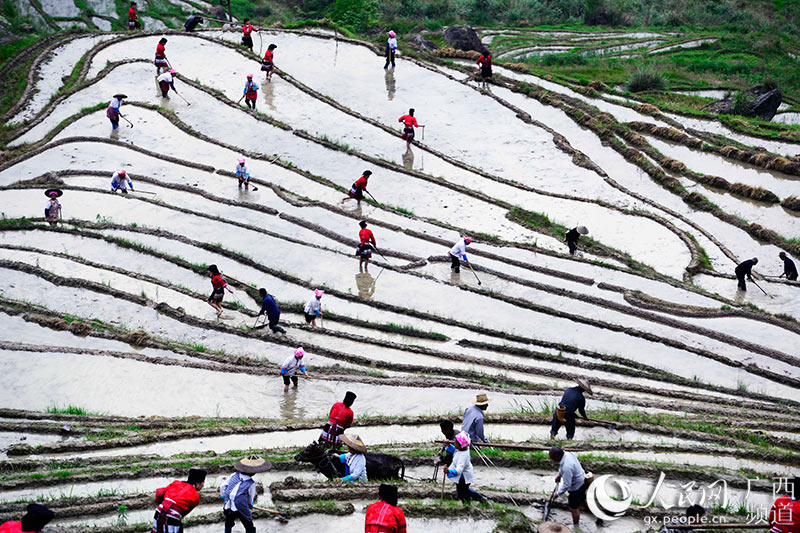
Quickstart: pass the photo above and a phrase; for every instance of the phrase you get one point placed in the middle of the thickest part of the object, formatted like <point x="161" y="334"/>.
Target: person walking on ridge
<point x="219" y="286"/>
<point x="573" y="400"/>
<point x="133" y="18"/>
<point x="268" y="63"/>
<point x="250" y="92"/>
<point x="358" y="188"/>
<point x="409" y="122"/>
<point x="789" y="270"/>
<point x="364" y="250"/>
<point x="161" y="61"/>
<point x="485" y="66"/>
<point x="745" y="268"/>
<point x="247" y="29"/>
<point x="391" y="49"/>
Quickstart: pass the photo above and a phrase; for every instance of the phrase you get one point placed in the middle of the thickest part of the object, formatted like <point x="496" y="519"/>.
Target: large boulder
<point x="419" y="42"/>
<point x="763" y="102"/>
<point x="464" y="38"/>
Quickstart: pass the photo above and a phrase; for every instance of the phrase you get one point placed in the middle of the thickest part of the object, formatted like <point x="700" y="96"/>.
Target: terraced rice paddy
<point x="105" y="311"/>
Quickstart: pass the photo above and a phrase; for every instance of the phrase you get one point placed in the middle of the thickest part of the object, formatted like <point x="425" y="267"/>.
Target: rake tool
<point x="126" y="120"/>
<point x="548" y="504"/>
<point x="255" y="324"/>
<point x="473" y="271"/>
<point x="759" y="286"/>
<point x="282" y="514"/>
<point x="145" y="192"/>
<point x="182" y="98"/>
<point x="423" y="132"/>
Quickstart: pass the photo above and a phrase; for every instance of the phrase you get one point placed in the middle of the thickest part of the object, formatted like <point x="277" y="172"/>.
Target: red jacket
<point x="409" y="121"/>
<point x="218" y="283"/>
<point x="184" y="495"/>
<point x="12" y="526"/>
<point x="247" y="29"/>
<point x="132" y="14"/>
<point x="161" y="51"/>
<point x="784" y="517"/>
<point x="384" y="518"/>
<point x="268" y="56"/>
<point x="366" y="236"/>
<point x="361" y="183"/>
<point x="341" y="415"/>
<point x="485" y="61"/>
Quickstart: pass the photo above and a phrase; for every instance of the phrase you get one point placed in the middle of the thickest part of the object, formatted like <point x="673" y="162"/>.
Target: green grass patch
<point x="70" y="410"/>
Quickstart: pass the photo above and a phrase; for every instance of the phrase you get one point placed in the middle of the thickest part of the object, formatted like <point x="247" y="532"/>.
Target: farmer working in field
<point x="745" y="268"/>
<point x="789" y="270"/>
<point x="243" y="173"/>
<point x="485" y="64"/>
<point x="573" y="400"/>
<point x="270" y="308"/>
<point x="356" y="463"/>
<point x="445" y="456"/>
<point x="572" y="238"/>
<point x="36" y="517"/>
<point x="339" y="419"/>
<point x="391" y="50"/>
<point x="121" y="181"/>
<point x="461" y="471"/>
<point x="250" y="92"/>
<point x="409" y="123"/>
<point x="161" y="56"/>
<point x="218" y="288"/>
<point x="52" y="210"/>
<point x="166" y="81"/>
<point x="784" y="517"/>
<point x="364" y="250"/>
<point x="313" y="308"/>
<point x="384" y="516"/>
<point x="473" y="419"/>
<point x="247" y="29"/>
<point x="358" y="188"/>
<point x="458" y="253"/>
<point x="268" y="63"/>
<point x="291" y="366"/>
<point x="112" y="112"/>
<point x="177" y="500"/>
<point x="573" y="480"/>
<point x="239" y="493"/>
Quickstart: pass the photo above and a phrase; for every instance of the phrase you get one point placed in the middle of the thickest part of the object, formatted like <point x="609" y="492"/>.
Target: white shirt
<point x="358" y="465"/>
<point x="120" y="180"/>
<point x="463" y="465"/>
<point x="392" y="43"/>
<point x="571" y="472"/>
<point x="291" y="365"/>
<point x="459" y="250"/>
<point x="166" y="76"/>
<point x="242" y="169"/>
<point x="312" y="307"/>
<point x="229" y="503"/>
<point x="116" y="103"/>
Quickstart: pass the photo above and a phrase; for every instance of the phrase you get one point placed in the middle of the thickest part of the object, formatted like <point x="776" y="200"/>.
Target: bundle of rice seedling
<point x="647" y="109"/>
<point x="756" y="193"/>
<point x="138" y="338"/>
<point x="791" y="203"/>
<point x="760" y="159"/>
<point x="673" y="164"/>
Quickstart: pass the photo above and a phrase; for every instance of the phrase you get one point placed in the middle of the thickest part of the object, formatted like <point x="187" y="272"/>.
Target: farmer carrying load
<point x="572" y="400"/>
<point x="177" y="500"/>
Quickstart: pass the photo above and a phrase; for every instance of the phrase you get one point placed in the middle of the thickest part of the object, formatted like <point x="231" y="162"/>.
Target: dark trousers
<point x="466" y="494"/>
<point x="389" y="58"/>
<point x="275" y="327"/>
<point x="230" y="521"/>
<point x="569" y="424"/>
<point x="250" y="103"/>
<point x="742" y="284"/>
<point x="573" y="246"/>
<point x="455" y="263"/>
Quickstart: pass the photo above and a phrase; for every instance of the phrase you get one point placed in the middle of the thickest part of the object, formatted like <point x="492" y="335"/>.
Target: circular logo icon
<point x="602" y="504"/>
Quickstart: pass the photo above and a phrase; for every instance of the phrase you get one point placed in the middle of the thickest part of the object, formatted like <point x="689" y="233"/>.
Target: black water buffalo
<point x="380" y="466"/>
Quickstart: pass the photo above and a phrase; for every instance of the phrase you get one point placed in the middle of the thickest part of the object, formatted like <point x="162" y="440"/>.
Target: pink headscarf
<point x="318" y="293"/>
<point x="391" y="34"/>
<point x="299" y="352"/>
<point x="467" y="240"/>
<point x="463" y="439"/>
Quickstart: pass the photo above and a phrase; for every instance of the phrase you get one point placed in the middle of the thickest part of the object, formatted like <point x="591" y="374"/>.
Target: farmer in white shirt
<point x="290" y="367"/>
<point x="459" y="252"/>
<point x="572" y="479"/>
<point x="121" y="181"/>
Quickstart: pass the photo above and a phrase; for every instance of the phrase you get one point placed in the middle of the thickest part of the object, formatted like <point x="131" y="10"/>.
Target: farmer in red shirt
<point x="384" y="516"/>
<point x="36" y="517"/>
<point x="485" y="64"/>
<point x="410" y="123"/>
<point x="339" y="419"/>
<point x="133" y="19"/>
<point x="161" y="56"/>
<point x="784" y="517"/>
<point x="177" y="500"/>
<point x="364" y="250"/>
<point x="250" y="92"/>
<point x="267" y="64"/>
<point x="219" y="287"/>
<point x="247" y="29"/>
<point x="358" y="188"/>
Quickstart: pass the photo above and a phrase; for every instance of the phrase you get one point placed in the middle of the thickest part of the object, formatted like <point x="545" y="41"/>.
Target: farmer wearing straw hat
<point x="473" y="418"/>
<point x="458" y="253"/>
<point x="391" y="49"/>
<point x="167" y="81"/>
<point x="572" y="238"/>
<point x="243" y="173"/>
<point x="239" y="493"/>
<point x="356" y="469"/>
<point x="112" y="112"/>
<point x="461" y="472"/>
<point x="161" y="56"/>
<point x="36" y="517"/>
<point x="52" y="210"/>
<point x="250" y="92"/>
<point x="313" y="308"/>
<point x="121" y="181"/>
<point x="290" y="367"/>
<point x="572" y="400"/>
<point x="573" y="480"/>
<point x="339" y="419"/>
<point x="384" y="516"/>
<point x="177" y="500"/>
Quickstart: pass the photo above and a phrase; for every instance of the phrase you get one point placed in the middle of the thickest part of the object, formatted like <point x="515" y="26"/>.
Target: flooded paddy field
<point x="130" y="377"/>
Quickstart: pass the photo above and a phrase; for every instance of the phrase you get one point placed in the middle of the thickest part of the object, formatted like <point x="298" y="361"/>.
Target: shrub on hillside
<point x="646" y="79"/>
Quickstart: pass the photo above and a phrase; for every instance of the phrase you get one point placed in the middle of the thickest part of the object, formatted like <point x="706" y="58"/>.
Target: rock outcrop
<point x="763" y="102"/>
<point x="464" y="38"/>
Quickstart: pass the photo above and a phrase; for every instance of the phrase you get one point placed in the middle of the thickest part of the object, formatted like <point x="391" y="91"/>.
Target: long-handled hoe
<point x="473" y="271"/>
<point x="128" y="121"/>
<point x="546" y="510"/>
<point x="281" y="514"/>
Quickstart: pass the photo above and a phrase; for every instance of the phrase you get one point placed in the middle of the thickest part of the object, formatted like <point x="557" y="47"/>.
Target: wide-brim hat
<point x="57" y="192"/>
<point x="481" y="399"/>
<point x="583" y="230"/>
<point x="354" y="442"/>
<point x="252" y="464"/>
<point x="585" y="385"/>
<point x="553" y="527"/>
<point x="120" y="95"/>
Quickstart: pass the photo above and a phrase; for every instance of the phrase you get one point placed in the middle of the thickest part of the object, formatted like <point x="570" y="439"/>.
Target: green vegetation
<point x="70" y="410"/>
<point x="646" y="79"/>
